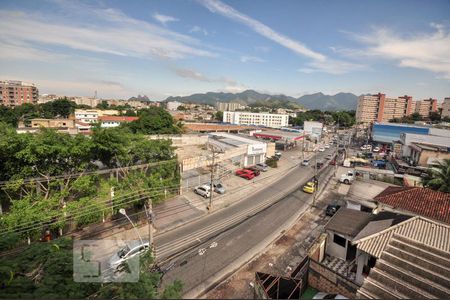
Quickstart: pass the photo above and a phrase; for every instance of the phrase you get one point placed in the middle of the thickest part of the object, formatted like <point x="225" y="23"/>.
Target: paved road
<point x="201" y="249"/>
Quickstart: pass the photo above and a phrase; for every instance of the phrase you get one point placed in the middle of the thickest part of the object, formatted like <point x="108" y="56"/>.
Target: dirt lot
<point x="281" y="257"/>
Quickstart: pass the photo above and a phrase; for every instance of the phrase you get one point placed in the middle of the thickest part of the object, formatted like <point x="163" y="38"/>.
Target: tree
<point x="182" y="107"/>
<point x="153" y="120"/>
<point x="416" y="116"/>
<point x="219" y="116"/>
<point x="439" y="177"/>
<point x="434" y="116"/>
<point x="103" y="105"/>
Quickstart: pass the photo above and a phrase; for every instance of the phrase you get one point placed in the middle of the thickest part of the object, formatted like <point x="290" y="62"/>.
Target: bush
<point x="272" y="162"/>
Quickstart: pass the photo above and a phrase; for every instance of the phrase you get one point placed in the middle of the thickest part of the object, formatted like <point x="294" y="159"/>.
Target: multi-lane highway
<point x="202" y="251"/>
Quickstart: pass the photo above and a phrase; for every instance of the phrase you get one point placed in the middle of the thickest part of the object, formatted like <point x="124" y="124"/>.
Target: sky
<point x="181" y="47"/>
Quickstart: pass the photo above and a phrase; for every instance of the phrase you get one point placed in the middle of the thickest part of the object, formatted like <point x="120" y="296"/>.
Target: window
<point x="339" y="240"/>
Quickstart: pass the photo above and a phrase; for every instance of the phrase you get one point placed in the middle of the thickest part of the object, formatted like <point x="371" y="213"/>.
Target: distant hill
<point x="341" y="101"/>
<point x="139" y="98"/>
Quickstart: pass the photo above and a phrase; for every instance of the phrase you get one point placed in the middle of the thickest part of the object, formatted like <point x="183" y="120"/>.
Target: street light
<point x="123" y="212"/>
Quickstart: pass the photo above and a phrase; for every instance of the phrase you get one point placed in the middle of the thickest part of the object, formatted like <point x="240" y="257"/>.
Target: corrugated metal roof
<point x="420" y="229"/>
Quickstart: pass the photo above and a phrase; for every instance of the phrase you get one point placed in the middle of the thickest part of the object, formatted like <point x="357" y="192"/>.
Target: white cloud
<point x="245" y="59"/>
<point x="163" y="19"/>
<point x="23" y="51"/>
<point x="120" y="35"/>
<point x="331" y="66"/>
<point x="191" y="74"/>
<point x="216" y="6"/>
<point x="426" y="51"/>
<point x="198" y="29"/>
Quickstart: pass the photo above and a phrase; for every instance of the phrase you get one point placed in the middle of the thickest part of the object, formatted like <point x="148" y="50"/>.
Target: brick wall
<point x="325" y="280"/>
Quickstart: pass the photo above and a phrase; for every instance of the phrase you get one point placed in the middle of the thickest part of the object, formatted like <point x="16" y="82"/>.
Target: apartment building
<point x="222" y="106"/>
<point x="425" y="107"/>
<point x="379" y="108"/>
<point x="173" y="105"/>
<point x="86" y="116"/>
<point x="14" y="93"/>
<point x="257" y="119"/>
<point x="446" y="108"/>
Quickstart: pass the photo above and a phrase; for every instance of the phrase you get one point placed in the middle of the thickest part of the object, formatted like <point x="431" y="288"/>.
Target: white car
<point x="321" y="149"/>
<point x="327" y="146"/>
<point x="348" y="178"/>
<point x="305" y="162"/>
<point x="366" y="147"/>
<point x="202" y="190"/>
<point x="376" y="149"/>
<point x="322" y="295"/>
<point x="132" y="249"/>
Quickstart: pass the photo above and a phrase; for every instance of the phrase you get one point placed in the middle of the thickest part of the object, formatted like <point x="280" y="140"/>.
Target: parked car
<point x="130" y="250"/>
<point x="202" y="190"/>
<point x="366" y="147"/>
<point x="254" y="169"/>
<point x="247" y="174"/>
<point x="348" y="177"/>
<point x="332" y="209"/>
<point x="319" y="164"/>
<point x="329" y="156"/>
<point x="305" y="162"/>
<point x="376" y="149"/>
<point x="309" y="187"/>
<point x="327" y="146"/>
<point x="333" y="162"/>
<point x="321" y="149"/>
<point x="278" y="154"/>
<point x="262" y="167"/>
<point x="219" y="188"/>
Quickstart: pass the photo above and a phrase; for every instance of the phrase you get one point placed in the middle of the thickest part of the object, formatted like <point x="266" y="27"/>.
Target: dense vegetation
<point x="343" y="118"/>
<point x="434" y="117"/>
<point x="45" y="182"/>
<point x="45" y="271"/>
<point x="439" y="177"/>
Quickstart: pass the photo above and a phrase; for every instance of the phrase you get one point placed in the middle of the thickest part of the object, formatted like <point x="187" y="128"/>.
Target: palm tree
<point x="439" y="176"/>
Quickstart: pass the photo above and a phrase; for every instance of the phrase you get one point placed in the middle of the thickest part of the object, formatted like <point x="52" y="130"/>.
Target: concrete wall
<point x="270" y="149"/>
<point x="182" y="140"/>
<point x="203" y="161"/>
<point x="426" y="154"/>
<point x="334" y="249"/>
<point x="324" y="279"/>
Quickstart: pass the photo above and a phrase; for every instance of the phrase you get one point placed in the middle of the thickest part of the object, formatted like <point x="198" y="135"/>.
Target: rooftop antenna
<point x="95" y="95"/>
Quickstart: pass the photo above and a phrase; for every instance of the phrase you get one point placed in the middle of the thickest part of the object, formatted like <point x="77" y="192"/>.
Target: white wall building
<point x="313" y="127"/>
<point x="86" y="116"/>
<point x="408" y="138"/>
<point x="173" y="105"/>
<point x="258" y="119"/>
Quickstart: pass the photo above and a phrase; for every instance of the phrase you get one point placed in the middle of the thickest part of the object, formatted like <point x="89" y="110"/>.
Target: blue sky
<point x="181" y="47"/>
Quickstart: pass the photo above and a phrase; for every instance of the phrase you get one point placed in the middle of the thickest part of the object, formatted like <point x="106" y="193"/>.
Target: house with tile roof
<point x="415" y="201"/>
<point x="412" y="260"/>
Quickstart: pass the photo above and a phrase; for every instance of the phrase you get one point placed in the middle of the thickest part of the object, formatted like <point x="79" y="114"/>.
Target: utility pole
<point x="150" y="218"/>
<point x="212" y="178"/>
<point x="316" y="182"/>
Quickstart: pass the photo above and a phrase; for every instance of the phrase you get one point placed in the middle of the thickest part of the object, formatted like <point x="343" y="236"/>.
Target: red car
<point x="247" y="174"/>
<point x="253" y="169"/>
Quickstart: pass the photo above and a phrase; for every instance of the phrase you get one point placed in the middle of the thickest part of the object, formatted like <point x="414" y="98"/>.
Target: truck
<point x="348" y="178"/>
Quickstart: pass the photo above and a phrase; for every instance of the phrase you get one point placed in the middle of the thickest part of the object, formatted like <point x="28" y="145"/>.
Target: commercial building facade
<point x="14" y="93"/>
<point x="379" y="108"/>
<point x="387" y="133"/>
<point x="114" y="121"/>
<point x="86" y="116"/>
<point x="257" y="119"/>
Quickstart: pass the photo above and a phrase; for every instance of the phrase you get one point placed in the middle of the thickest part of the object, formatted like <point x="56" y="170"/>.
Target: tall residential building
<point x="379" y="108"/>
<point x="258" y="119"/>
<point x="223" y="106"/>
<point x="446" y="108"/>
<point x="425" y="107"/>
<point x="14" y="93"/>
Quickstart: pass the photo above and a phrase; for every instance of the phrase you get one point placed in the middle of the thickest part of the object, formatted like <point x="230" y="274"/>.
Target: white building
<point x="313" y="127"/>
<point x="86" y="116"/>
<point x="446" y="108"/>
<point x="436" y="140"/>
<point x="173" y="105"/>
<point x="232" y="106"/>
<point x="114" y="121"/>
<point x="258" y="119"/>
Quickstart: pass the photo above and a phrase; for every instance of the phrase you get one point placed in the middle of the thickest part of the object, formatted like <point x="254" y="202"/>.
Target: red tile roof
<point x="117" y="118"/>
<point x="421" y="201"/>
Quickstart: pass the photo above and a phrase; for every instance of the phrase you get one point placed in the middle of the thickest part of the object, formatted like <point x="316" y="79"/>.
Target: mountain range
<point x="340" y="101"/>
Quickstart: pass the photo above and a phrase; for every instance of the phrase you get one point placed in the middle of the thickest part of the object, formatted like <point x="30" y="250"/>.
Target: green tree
<point x="153" y="120"/>
<point x="219" y="116"/>
<point x="434" y="116"/>
<point x="439" y="177"/>
<point x="103" y="105"/>
<point x="416" y="116"/>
